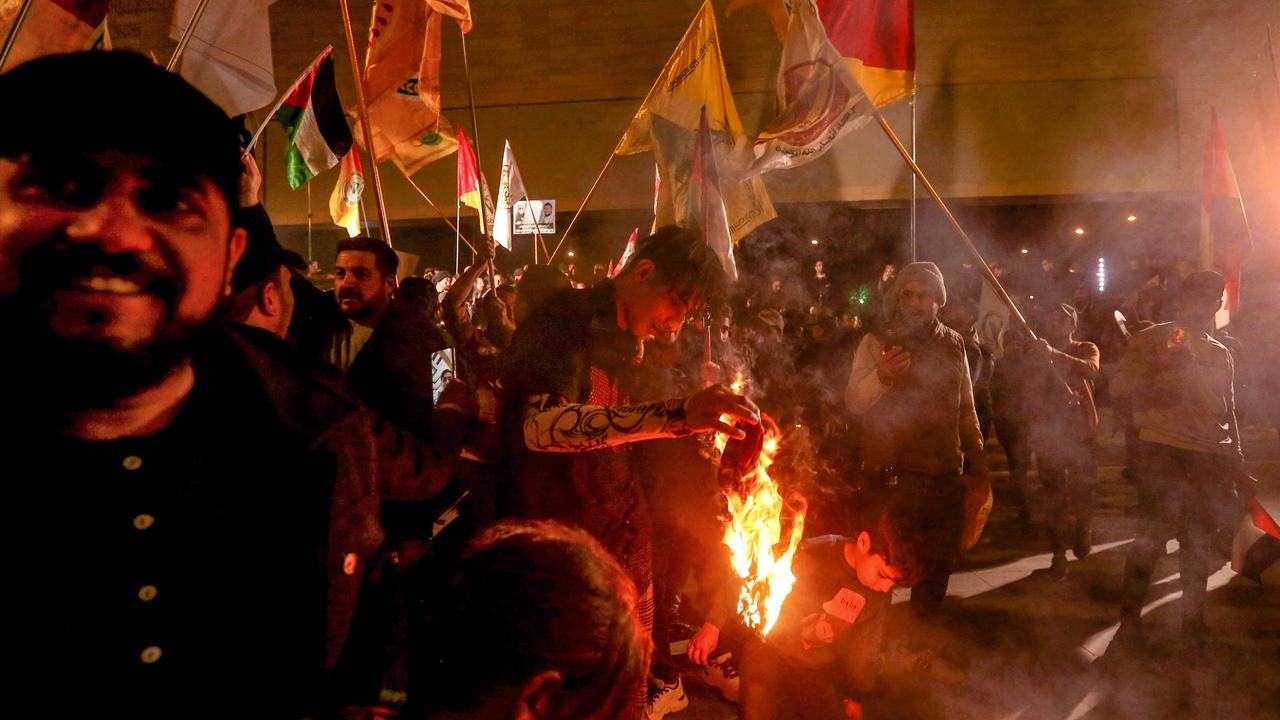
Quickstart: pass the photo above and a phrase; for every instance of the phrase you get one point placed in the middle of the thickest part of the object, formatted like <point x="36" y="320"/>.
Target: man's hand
<point x="703" y="409"/>
<point x="486" y="250"/>
<point x="250" y="181"/>
<point x="703" y="643"/>
<point x="1039" y="349"/>
<point x="892" y="364"/>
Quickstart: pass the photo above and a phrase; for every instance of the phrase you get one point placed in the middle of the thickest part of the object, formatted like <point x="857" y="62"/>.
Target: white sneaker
<point x="722" y="674"/>
<point x="665" y="699"/>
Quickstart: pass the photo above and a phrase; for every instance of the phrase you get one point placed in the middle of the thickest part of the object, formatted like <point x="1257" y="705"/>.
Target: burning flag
<point x="758" y="516"/>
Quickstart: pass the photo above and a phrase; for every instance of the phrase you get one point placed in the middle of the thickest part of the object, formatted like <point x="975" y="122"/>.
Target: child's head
<point x="888" y="547"/>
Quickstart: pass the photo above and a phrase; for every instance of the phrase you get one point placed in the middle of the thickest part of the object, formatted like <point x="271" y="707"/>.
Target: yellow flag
<point x="668" y="119"/>
<point x="402" y="83"/>
<point x="344" y="203"/>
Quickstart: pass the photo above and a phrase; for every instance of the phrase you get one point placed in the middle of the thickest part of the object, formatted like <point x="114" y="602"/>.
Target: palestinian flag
<point x="314" y="122"/>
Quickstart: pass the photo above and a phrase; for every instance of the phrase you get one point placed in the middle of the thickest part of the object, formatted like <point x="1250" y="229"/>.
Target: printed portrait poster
<point x="528" y="214"/>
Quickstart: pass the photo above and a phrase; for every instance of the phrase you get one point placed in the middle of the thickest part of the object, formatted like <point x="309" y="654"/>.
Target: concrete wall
<point x="1018" y="97"/>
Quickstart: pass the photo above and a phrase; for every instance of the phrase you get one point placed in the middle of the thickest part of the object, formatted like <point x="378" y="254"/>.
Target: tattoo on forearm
<point x="551" y="425"/>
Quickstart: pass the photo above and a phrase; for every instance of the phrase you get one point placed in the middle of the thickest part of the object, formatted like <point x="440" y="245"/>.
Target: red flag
<point x="468" y="172"/>
<point x="627" y="253"/>
<point x="877" y="38"/>
<point x="1224" y="230"/>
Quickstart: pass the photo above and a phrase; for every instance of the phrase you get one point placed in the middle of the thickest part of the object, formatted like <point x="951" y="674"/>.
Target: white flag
<point x="229" y="55"/>
<point x="819" y="100"/>
<point x="510" y="190"/>
<point x="993" y="320"/>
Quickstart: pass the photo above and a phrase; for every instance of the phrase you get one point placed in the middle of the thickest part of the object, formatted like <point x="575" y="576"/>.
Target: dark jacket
<point x="253" y="518"/>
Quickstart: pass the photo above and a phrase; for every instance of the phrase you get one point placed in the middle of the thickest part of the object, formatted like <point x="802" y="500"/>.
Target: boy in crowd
<point x="820" y="660"/>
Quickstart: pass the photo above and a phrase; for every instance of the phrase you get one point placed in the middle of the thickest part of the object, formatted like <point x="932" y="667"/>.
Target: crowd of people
<point x="254" y="497"/>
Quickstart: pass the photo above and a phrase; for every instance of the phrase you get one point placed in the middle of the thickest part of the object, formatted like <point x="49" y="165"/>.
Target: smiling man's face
<point x="110" y="253"/>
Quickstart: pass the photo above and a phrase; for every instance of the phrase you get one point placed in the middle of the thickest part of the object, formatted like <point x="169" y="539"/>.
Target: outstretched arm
<point x="551" y="424"/>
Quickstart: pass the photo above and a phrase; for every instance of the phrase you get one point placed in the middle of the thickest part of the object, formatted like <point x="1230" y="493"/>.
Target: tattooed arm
<point x="553" y="425"/>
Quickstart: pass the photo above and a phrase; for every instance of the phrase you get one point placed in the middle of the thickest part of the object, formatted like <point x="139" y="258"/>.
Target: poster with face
<point x="526" y="215"/>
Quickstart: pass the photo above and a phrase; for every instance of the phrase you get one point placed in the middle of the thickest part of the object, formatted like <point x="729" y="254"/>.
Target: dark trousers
<point x="1068" y="474"/>
<point x="1183" y="494"/>
<point x="938" y="503"/>
<point x="771" y="681"/>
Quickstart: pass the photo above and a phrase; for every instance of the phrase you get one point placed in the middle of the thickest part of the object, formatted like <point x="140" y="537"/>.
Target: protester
<point x="1064" y="423"/>
<point x="1189" y="462"/>
<point x="910" y="386"/>
<point x="217" y="506"/>
<point x="540" y="622"/>
<point x="567" y="424"/>
<point x="821" y="659"/>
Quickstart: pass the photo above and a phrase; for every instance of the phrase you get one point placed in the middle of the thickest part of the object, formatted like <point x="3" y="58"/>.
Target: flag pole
<point x="955" y="224"/>
<point x="364" y="123"/>
<point x="475" y="136"/>
<point x="187" y="32"/>
<point x="9" y="41"/>
<point x="587" y="198"/>
<point x="430" y="202"/>
<point x="914" y="181"/>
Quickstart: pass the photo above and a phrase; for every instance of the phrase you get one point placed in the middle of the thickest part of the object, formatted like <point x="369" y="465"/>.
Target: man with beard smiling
<point x="910" y="387"/>
<point x="197" y="512"/>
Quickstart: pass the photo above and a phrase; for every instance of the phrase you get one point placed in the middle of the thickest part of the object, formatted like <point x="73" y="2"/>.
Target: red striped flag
<point x="877" y="38"/>
<point x="1224" y="231"/>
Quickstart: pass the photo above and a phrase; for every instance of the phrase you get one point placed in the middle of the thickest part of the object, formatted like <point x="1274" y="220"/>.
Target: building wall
<point x="1017" y="98"/>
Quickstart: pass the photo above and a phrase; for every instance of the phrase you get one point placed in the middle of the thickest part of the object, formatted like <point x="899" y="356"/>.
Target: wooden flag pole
<point x="587" y="198"/>
<point x="964" y="237"/>
<point x="12" y="38"/>
<point x="185" y="38"/>
<point x="475" y="138"/>
<point x="364" y="124"/>
<point x="435" y="207"/>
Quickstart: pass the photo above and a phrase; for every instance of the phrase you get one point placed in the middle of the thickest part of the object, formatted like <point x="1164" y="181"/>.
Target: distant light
<point x="1025" y="251"/>
<point x="813" y="241"/>
<point x="1031" y="297"/>
<point x="570" y="253"/>
<point x="1102" y="275"/>
<point x="1132" y="218"/>
<point x="1079" y="231"/>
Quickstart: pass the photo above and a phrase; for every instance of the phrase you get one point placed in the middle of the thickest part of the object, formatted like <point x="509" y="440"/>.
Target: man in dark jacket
<point x="200" y="513"/>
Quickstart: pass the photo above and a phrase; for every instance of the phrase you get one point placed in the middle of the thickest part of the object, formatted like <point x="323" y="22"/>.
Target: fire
<point x="754" y="537"/>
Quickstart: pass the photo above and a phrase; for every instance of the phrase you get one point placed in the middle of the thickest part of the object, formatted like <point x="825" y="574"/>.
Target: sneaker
<point x="665" y="699"/>
<point x="1084" y="539"/>
<point x="722" y="674"/>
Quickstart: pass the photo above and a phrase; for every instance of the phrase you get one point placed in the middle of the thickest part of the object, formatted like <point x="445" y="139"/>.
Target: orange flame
<point x="753" y="536"/>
